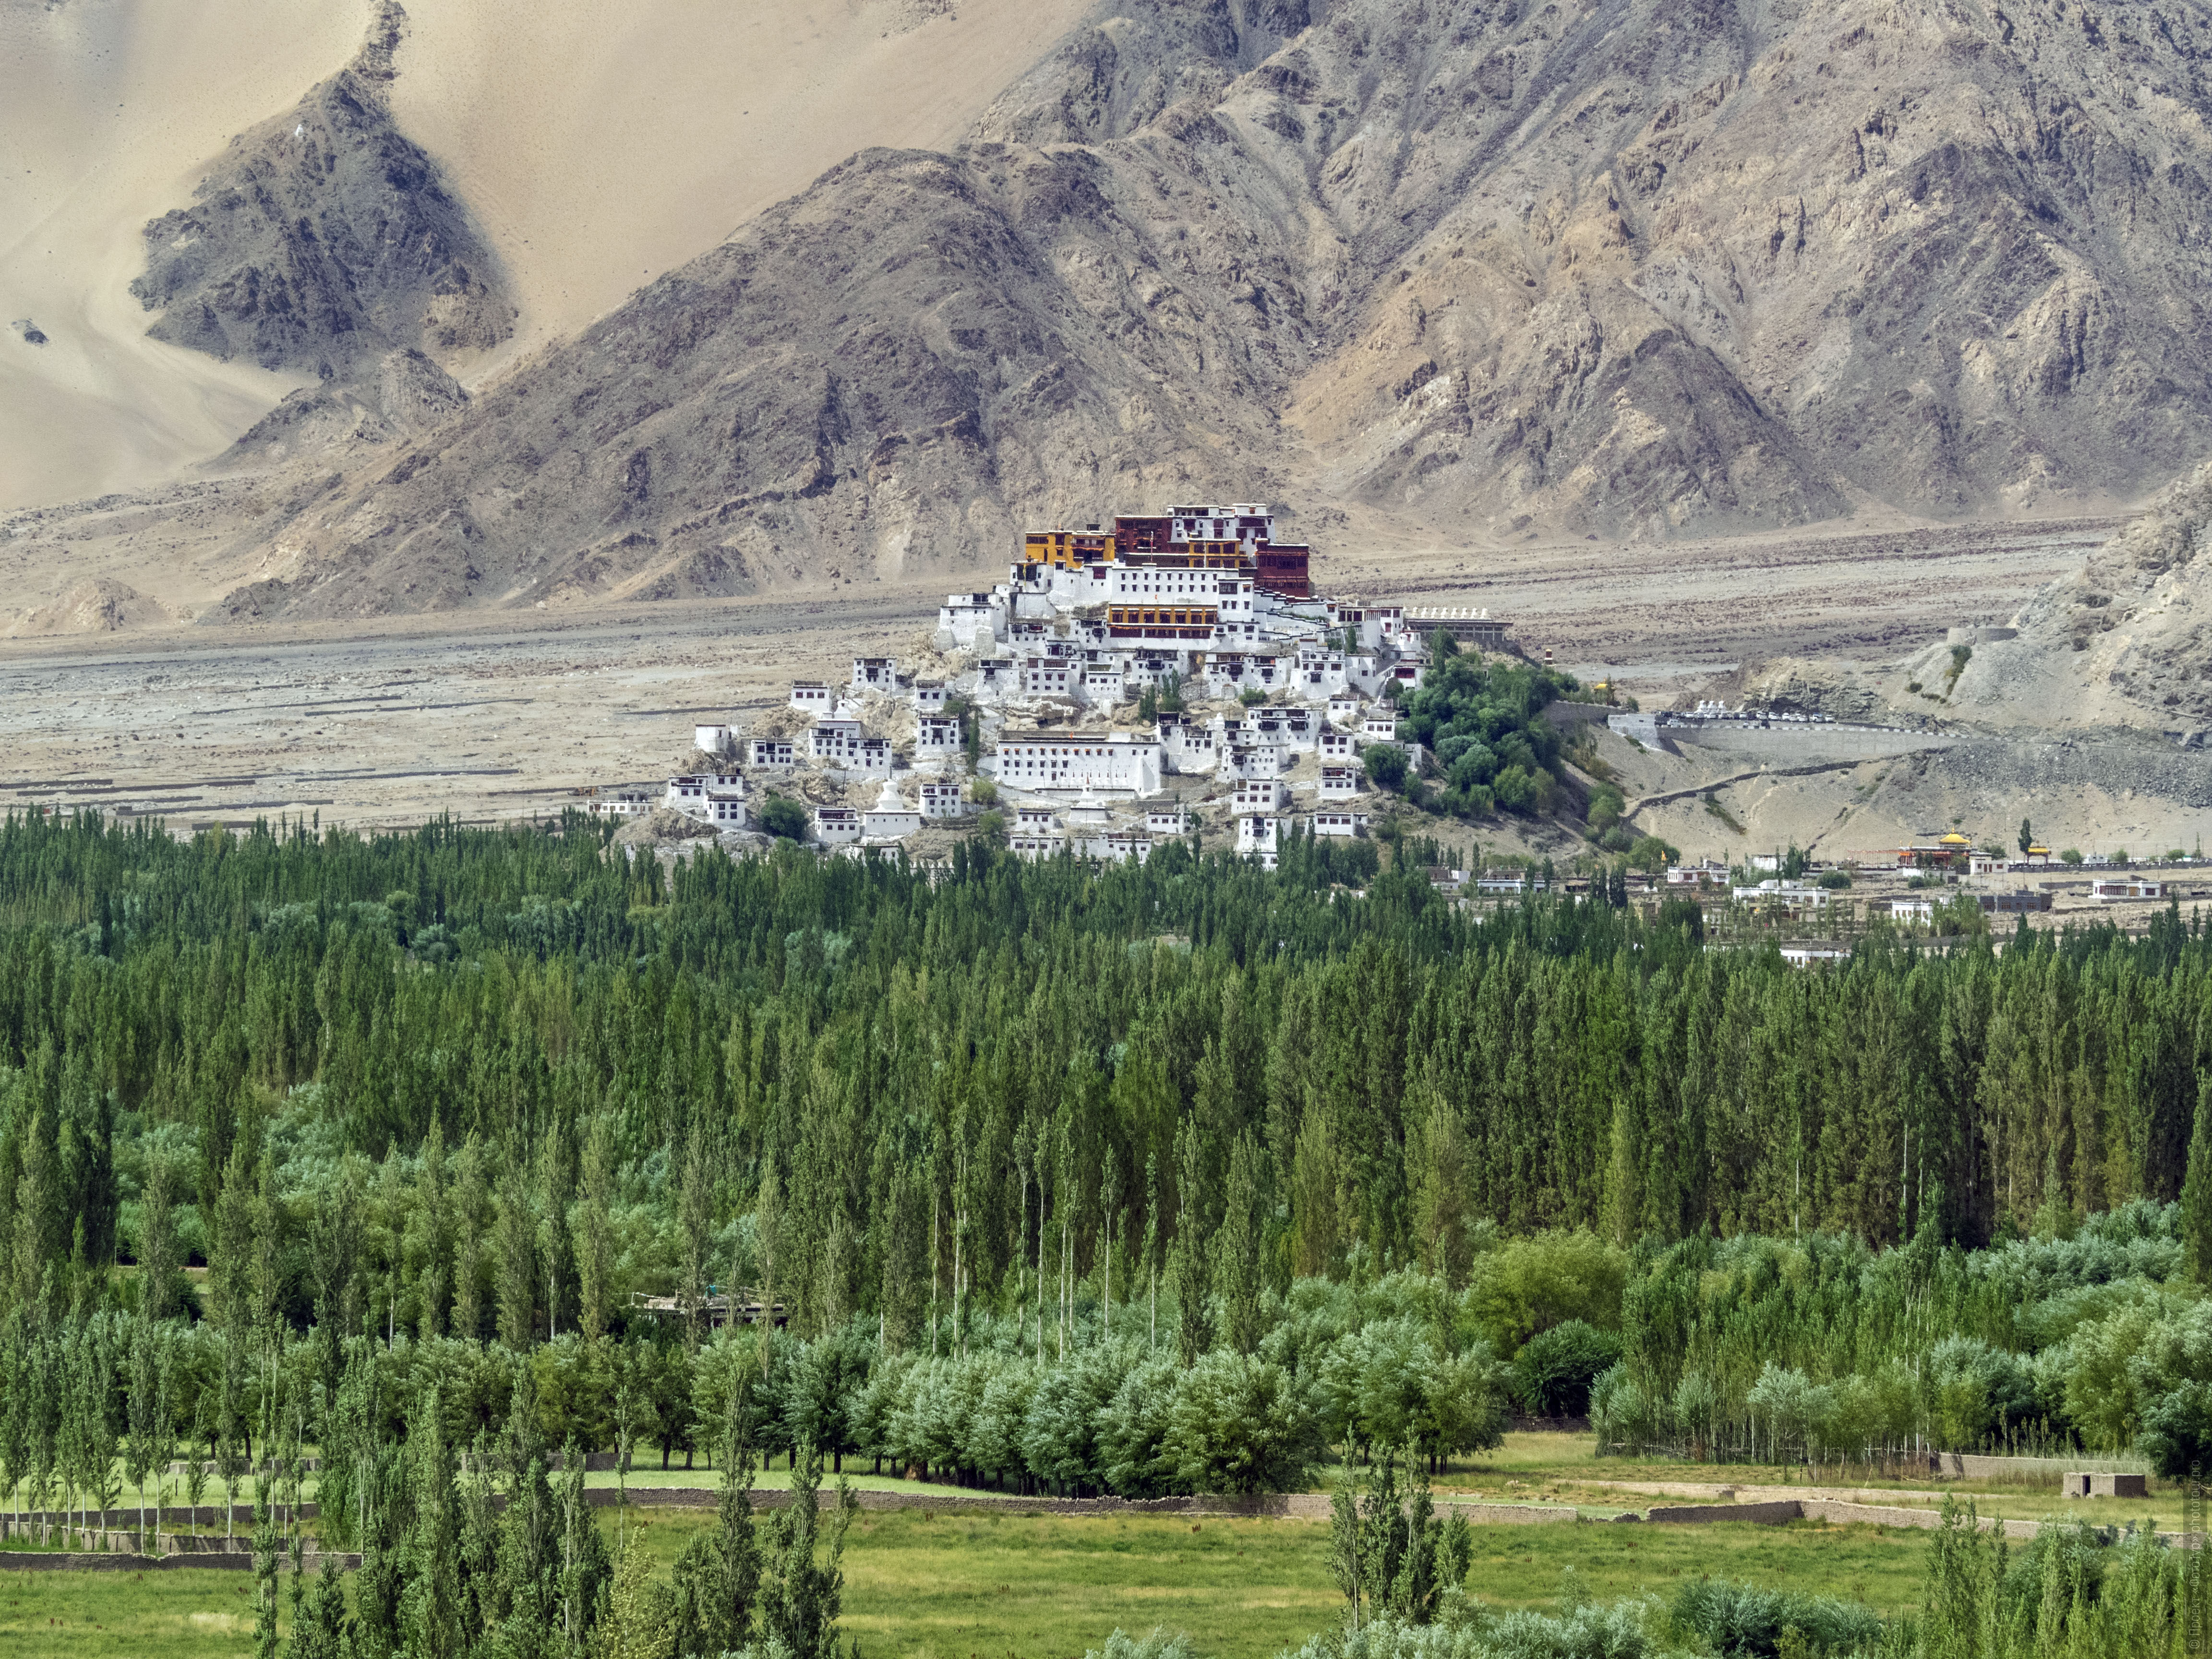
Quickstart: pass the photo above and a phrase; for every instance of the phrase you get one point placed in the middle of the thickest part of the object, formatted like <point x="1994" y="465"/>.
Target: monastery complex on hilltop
<point x="1145" y="622"/>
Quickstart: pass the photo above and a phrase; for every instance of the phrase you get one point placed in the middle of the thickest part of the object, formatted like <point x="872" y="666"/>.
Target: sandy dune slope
<point x="602" y="145"/>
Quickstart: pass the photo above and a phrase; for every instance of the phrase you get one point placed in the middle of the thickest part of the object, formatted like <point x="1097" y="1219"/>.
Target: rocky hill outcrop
<point x="2125" y="641"/>
<point x="324" y="240"/>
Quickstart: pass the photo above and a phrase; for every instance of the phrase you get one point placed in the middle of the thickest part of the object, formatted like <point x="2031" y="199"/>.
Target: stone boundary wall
<point x="112" y="1546"/>
<point x="1771" y="1514"/>
<point x="74" y="1561"/>
<point x="1973" y="1466"/>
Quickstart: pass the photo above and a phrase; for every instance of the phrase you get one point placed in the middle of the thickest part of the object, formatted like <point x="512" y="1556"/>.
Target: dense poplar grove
<point x="1185" y="1177"/>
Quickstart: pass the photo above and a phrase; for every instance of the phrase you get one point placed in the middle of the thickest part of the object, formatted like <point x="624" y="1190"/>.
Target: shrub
<point x="1386" y="765"/>
<point x="784" y="818"/>
<point x="1553" y="1371"/>
<point x="1732" y="1619"/>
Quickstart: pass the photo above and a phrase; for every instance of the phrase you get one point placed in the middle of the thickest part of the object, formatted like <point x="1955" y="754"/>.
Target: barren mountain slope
<point x="1645" y="264"/>
<point x="876" y="370"/>
<point x="1621" y="266"/>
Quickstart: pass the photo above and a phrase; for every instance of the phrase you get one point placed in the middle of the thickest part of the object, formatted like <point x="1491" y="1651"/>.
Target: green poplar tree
<point x="2197" y="1190"/>
<point x="157" y="1239"/>
<point x="802" y="1595"/>
<point x="431" y="1610"/>
<point x="469" y="1198"/>
<point x="1237" y="1244"/>
<point x="595" y="1247"/>
<point x="515" y="1243"/>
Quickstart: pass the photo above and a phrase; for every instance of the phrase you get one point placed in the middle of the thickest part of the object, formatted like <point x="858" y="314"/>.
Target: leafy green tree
<point x="1238" y="1424"/>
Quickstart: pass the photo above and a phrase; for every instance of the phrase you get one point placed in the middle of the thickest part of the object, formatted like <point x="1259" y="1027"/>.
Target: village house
<point x="836" y="826"/>
<point x="2114" y="889"/>
<point x="1256" y="833"/>
<point x="1339" y="823"/>
<point x="943" y="800"/>
<point x="770" y="753"/>
<point x="835" y="739"/>
<point x="1116" y="765"/>
<point x="812" y="697"/>
<point x="1261" y="795"/>
<point x="719" y="801"/>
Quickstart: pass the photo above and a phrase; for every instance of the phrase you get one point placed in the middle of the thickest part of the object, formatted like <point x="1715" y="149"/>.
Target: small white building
<point x="943" y="800"/>
<point x="1115" y="764"/>
<point x="889" y="819"/>
<point x="1167" y="821"/>
<point x="1379" y="727"/>
<point x="1912" y="906"/>
<point x="837" y="826"/>
<point x="936" y="736"/>
<point x="1711" y="872"/>
<point x="812" y="697"/>
<point x="871" y="758"/>
<point x="1256" y="833"/>
<point x="1344" y="708"/>
<point x="1125" y="848"/>
<point x="1049" y="676"/>
<point x="968" y="620"/>
<point x="714" y="739"/>
<point x="929" y="697"/>
<point x="1339" y="748"/>
<point x="1336" y="820"/>
<point x="719" y="801"/>
<point x="629" y="804"/>
<point x="874" y="674"/>
<point x="1255" y="760"/>
<point x="1341" y="782"/>
<point x="1502" y="883"/>
<point x="1783" y="895"/>
<point x="1187" y="747"/>
<point x="1261" y="795"/>
<point x="1804" y="953"/>
<point x="835" y="739"/>
<point x="2115" y="889"/>
<point x="771" y="753"/>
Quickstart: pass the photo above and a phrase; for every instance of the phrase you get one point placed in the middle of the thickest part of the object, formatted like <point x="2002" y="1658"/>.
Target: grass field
<point x="1048" y="1587"/>
<point x="971" y="1586"/>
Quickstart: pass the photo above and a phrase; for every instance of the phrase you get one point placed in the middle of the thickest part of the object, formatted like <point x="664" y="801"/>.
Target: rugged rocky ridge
<point x="896" y="366"/>
<point x="1492" y="267"/>
<point x="324" y="240"/>
<point x="2125" y="641"/>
